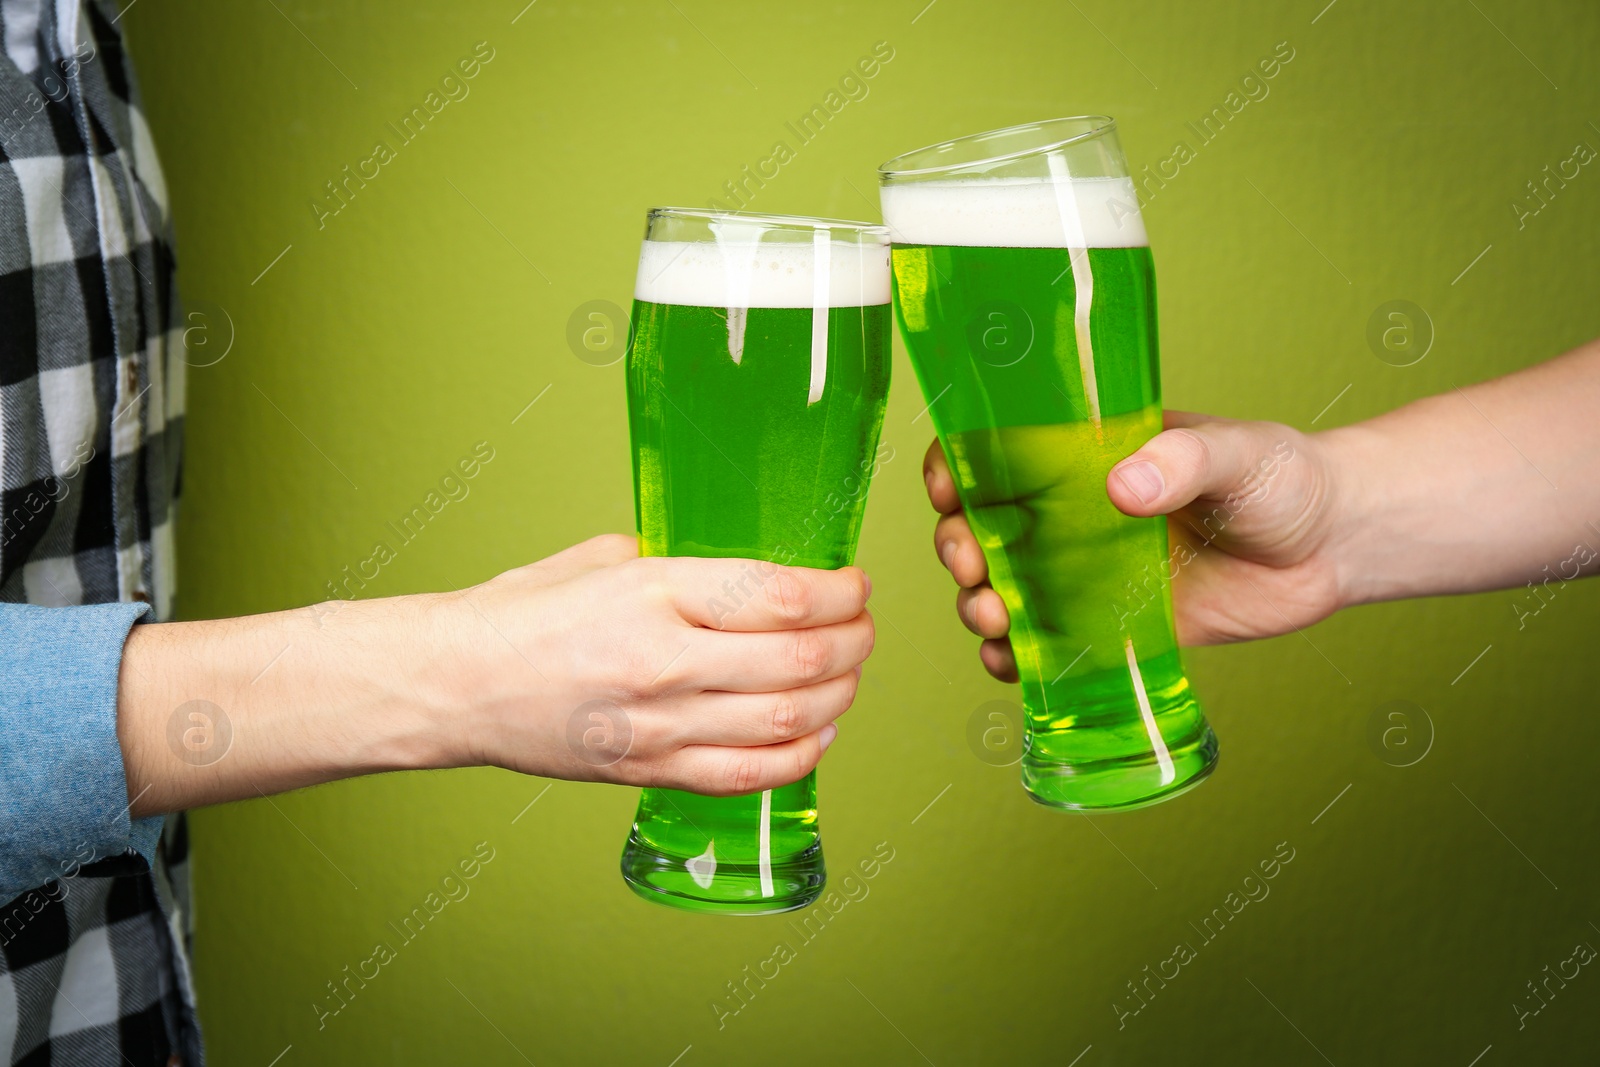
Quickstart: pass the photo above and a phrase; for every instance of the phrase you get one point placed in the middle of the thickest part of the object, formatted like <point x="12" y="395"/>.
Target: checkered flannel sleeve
<point x="93" y="967"/>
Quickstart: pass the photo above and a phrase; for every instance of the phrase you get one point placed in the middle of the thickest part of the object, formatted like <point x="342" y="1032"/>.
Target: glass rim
<point x="894" y="168"/>
<point x="789" y="222"/>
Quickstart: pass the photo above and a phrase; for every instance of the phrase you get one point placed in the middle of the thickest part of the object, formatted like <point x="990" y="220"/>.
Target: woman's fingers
<point x="983" y="612"/>
<point x="941" y="484"/>
<point x="754" y="595"/>
<point x="713" y="770"/>
<point x="747" y="719"/>
<point x="766" y="661"/>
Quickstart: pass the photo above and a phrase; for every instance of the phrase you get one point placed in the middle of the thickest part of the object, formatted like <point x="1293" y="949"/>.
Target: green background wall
<point x="429" y="312"/>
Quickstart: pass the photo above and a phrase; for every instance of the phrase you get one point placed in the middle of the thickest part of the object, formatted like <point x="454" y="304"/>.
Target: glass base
<point x="701" y="883"/>
<point x="1120" y="784"/>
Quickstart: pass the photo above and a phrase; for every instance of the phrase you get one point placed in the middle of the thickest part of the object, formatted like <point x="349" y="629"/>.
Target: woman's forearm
<point x="592" y="664"/>
<point x="1483" y="487"/>
<point x="234" y="708"/>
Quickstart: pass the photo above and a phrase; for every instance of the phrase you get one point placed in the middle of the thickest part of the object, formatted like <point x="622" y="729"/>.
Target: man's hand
<point x="1249" y="506"/>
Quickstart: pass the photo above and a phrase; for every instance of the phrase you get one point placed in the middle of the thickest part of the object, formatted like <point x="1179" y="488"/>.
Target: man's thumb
<point x="1211" y="458"/>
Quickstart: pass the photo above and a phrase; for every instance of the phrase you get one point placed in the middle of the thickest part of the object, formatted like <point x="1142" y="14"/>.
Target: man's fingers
<point x="1199" y="457"/>
<point x="959" y="551"/>
<point x="983" y="611"/>
<point x="769" y="661"/>
<point x="941" y="484"/>
<point x="754" y="595"/>
<point x="999" y="660"/>
<point x="715" y="771"/>
<point x="745" y="719"/>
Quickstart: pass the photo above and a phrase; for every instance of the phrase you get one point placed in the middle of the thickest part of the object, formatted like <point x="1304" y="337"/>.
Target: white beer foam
<point x="1016" y="213"/>
<point x="761" y="274"/>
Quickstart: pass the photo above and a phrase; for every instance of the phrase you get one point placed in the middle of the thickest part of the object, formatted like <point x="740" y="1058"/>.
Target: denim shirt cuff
<point x="64" y="807"/>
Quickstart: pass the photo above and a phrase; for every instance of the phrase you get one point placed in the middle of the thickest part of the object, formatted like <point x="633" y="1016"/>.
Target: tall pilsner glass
<point x="1026" y="295"/>
<point x="757" y="374"/>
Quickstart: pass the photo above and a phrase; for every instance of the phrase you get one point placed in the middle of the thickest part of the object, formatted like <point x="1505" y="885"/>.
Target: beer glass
<point x="758" y="367"/>
<point x="1025" y="293"/>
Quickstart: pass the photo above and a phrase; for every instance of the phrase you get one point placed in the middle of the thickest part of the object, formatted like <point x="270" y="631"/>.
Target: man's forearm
<point x="1482" y="487"/>
<point x="216" y="711"/>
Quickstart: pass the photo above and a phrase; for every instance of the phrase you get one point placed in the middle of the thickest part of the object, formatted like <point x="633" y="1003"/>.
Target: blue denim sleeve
<point x="63" y="791"/>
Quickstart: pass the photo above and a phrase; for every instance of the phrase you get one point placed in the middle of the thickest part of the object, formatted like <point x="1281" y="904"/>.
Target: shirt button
<point x="141" y="596"/>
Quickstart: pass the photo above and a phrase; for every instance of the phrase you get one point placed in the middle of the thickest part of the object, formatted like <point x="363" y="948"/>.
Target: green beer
<point x="757" y="373"/>
<point x="1026" y="295"/>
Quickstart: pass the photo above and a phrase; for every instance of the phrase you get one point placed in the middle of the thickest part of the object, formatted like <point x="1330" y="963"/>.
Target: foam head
<point x="1016" y="213"/>
<point x="743" y="273"/>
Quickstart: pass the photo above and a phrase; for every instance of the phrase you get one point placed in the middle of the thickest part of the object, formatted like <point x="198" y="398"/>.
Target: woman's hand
<point x="719" y="676"/>
<point x="1251" y="509"/>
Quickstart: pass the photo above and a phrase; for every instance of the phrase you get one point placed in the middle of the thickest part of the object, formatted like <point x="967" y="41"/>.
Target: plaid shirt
<point x="93" y="966"/>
